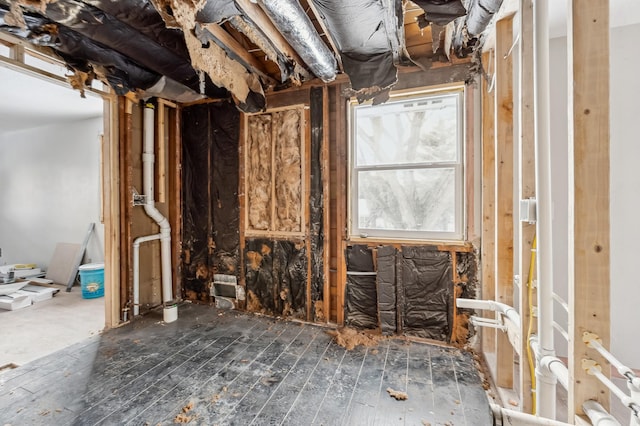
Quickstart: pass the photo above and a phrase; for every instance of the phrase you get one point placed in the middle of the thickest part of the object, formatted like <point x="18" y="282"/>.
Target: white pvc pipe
<point x="491" y="305"/>
<point x="136" y="269"/>
<point x="546" y="386"/>
<point x="598" y="415"/>
<point x="148" y="162"/>
<point x="504" y="416"/>
<point x="593" y="342"/>
<point x="557" y="368"/>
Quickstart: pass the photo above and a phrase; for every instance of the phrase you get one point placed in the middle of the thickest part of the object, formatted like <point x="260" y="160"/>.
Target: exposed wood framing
<point x="504" y="192"/>
<point x="526" y="189"/>
<point x="305" y="164"/>
<point x="257" y="15"/>
<point x="175" y="195"/>
<point x="589" y="246"/>
<point x="326" y="33"/>
<point x="326" y="204"/>
<point x="111" y="205"/>
<point x="238" y="50"/>
<point x="469" y="162"/>
<point x="488" y="201"/>
<point x="126" y="204"/>
<point x="341" y="200"/>
<point x="242" y="202"/>
<point x="161" y="154"/>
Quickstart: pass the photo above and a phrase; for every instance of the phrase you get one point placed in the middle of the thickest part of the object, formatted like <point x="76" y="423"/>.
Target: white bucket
<point x="170" y="313"/>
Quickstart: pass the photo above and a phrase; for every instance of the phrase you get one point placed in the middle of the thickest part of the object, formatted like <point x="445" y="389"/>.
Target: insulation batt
<point x="259" y="172"/>
<point x="288" y="178"/>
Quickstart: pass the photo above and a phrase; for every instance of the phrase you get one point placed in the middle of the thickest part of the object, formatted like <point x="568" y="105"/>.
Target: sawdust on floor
<point x="398" y="395"/>
<point x="350" y="338"/>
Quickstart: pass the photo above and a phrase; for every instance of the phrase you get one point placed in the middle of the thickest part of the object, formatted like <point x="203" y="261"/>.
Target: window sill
<point x="443" y="245"/>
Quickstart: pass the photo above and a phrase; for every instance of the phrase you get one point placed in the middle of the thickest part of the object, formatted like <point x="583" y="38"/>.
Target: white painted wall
<point x="49" y="190"/>
<point x="625" y="185"/>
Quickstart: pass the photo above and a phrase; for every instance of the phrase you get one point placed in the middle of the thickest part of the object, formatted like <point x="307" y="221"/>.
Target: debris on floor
<point x="183" y="417"/>
<point x="350" y="338"/>
<point x="398" y="395"/>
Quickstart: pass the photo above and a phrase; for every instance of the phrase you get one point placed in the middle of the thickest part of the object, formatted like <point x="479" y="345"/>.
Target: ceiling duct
<point x="370" y="37"/>
<point x="294" y="24"/>
<point x="480" y="14"/>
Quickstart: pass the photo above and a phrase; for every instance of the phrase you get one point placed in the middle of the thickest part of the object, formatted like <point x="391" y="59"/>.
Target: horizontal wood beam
<point x="262" y="21"/>
<point x="226" y="41"/>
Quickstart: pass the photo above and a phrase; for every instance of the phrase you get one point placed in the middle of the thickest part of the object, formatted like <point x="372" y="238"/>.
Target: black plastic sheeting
<point x="387" y="289"/>
<point x="315" y="197"/>
<point x="276" y="275"/>
<point x="364" y="41"/>
<point x="83" y="54"/>
<point x="210" y="137"/>
<point x="145" y="20"/>
<point x="361" y="304"/>
<point x="427" y="282"/>
<point x="80" y="52"/>
<point x="442" y="12"/>
<point x="105" y="29"/>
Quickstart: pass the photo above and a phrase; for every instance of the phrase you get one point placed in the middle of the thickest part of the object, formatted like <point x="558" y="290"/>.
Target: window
<point x="406" y="168"/>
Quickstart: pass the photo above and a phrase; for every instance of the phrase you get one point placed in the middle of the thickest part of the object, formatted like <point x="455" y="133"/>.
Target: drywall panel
<point x="50" y="191"/>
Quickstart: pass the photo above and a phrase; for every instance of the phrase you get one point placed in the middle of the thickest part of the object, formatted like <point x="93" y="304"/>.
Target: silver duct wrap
<point x="294" y="24"/>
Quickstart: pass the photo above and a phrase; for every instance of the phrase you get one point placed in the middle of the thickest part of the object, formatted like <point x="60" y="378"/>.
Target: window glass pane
<point x="407" y="200"/>
<point x="423" y="130"/>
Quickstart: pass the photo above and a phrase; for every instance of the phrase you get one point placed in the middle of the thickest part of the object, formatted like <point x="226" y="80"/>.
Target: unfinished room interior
<point x="383" y="212"/>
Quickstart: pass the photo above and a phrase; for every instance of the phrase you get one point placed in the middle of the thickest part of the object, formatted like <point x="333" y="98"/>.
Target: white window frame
<point x="459" y="233"/>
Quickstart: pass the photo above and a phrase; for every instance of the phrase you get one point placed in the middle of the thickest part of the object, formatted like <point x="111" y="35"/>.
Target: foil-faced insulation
<point x="370" y="37"/>
<point x="294" y="24"/>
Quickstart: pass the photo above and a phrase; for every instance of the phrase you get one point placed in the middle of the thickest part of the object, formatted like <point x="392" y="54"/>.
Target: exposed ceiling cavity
<point x="29" y="102"/>
<point x="243" y="49"/>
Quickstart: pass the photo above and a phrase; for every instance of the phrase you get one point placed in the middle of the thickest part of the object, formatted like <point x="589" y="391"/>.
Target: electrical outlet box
<point x="528" y="210"/>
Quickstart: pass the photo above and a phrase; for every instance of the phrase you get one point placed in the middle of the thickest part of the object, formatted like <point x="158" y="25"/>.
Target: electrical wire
<point x="532" y="267"/>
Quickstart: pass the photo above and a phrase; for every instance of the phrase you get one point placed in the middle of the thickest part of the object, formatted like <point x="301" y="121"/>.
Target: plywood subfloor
<point x="221" y="367"/>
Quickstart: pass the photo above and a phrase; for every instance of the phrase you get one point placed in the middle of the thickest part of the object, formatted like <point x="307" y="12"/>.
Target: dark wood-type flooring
<point x="216" y="367"/>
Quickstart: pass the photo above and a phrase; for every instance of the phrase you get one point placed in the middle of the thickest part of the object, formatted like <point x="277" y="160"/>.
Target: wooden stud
<point x="504" y="192"/>
<point x="161" y="174"/>
<point x="262" y="21"/>
<point x="341" y="200"/>
<point x="589" y="246"/>
<point x="246" y="59"/>
<point x="111" y="203"/>
<point x="526" y="189"/>
<point x="272" y="223"/>
<point x="305" y="175"/>
<point x="326" y="203"/>
<point x="175" y="198"/>
<point x="126" y="204"/>
<point x="242" y="201"/>
<point x="487" y="248"/>
<point x="326" y="32"/>
<point x="469" y="162"/>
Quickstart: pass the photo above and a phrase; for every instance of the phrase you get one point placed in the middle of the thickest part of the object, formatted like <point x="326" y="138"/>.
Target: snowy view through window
<point x="407" y="168"/>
